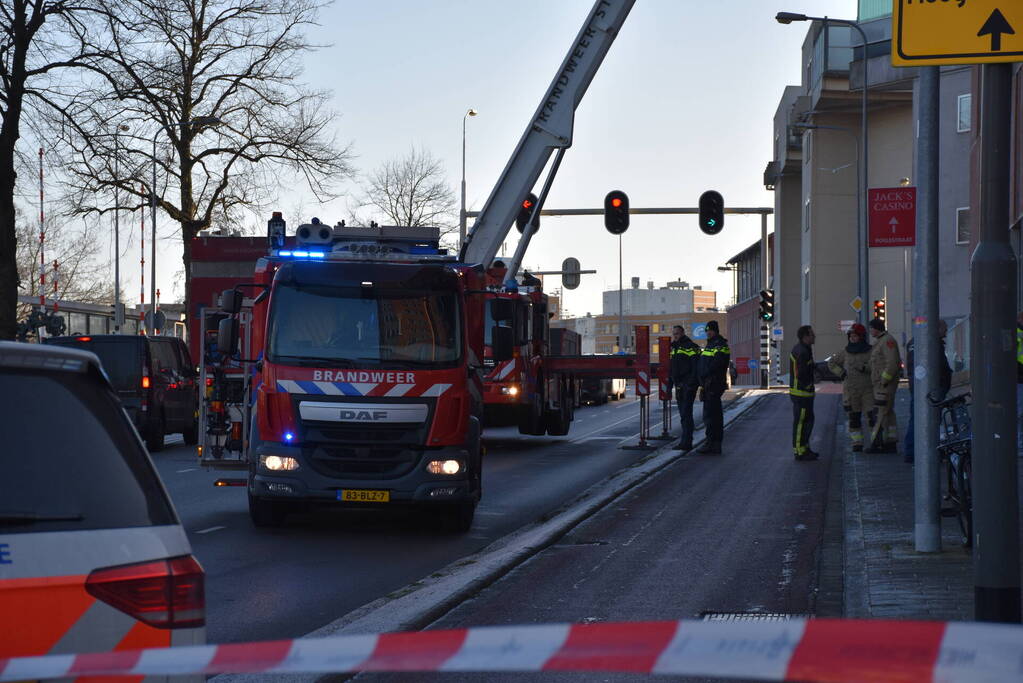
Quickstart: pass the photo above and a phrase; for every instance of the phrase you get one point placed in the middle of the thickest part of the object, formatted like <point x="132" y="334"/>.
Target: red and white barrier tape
<point x="805" y="650"/>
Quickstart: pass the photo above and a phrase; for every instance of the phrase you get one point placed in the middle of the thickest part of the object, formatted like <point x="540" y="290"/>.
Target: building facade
<point x="815" y="177"/>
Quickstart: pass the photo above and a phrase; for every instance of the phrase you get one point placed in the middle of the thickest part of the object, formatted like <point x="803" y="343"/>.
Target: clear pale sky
<point x="684" y="102"/>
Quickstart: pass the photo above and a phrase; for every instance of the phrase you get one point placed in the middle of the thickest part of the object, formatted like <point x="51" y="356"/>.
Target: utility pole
<point x="996" y="564"/>
<point x="927" y="370"/>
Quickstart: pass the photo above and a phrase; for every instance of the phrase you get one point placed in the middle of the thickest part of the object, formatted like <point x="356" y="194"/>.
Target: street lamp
<point x="198" y="121"/>
<point x="461" y="214"/>
<point x="117" y="232"/>
<point x="864" y="262"/>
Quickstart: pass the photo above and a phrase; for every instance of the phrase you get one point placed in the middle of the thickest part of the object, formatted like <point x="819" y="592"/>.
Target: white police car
<point x="92" y="555"/>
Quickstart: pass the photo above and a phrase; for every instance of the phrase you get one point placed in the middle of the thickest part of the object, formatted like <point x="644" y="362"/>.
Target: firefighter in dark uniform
<point x="802" y="391"/>
<point x="712" y="370"/>
<point x="685" y="354"/>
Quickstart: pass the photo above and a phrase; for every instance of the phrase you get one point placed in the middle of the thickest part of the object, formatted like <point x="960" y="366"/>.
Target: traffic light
<point x="712" y="212"/>
<point x="767" y="305"/>
<point x="616" y="212"/>
<point x="879" y="309"/>
<point x="525" y="211"/>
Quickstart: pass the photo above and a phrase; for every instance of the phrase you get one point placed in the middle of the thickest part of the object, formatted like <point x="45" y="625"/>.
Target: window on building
<point x="657" y="327"/>
<point x="965" y="110"/>
<point x="806" y="215"/>
<point x="806" y="284"/>
<point x="963" y="225"/>
<point x="657" y="349"/>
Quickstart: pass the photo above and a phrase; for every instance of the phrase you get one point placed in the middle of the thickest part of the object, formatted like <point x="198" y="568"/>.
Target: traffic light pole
<point x="765" y="332"/>
<point x="996" y="562"/>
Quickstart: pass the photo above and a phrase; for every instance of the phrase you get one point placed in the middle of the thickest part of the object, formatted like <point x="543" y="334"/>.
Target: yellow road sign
<point x="856" y="304"/>
<point x="931" y="32"/>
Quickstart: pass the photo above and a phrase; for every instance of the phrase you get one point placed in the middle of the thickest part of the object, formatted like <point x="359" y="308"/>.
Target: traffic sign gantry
<point x="932" y="32"/>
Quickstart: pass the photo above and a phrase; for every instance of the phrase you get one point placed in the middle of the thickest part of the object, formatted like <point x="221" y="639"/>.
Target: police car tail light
<point x="163" y="593"/>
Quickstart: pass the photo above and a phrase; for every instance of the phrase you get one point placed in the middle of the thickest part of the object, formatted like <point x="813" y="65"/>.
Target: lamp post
<point x="117" y="232"/>
<point x="197" y="121"/>
<point x="461" y="214"/>
<point x="788" y="18"/>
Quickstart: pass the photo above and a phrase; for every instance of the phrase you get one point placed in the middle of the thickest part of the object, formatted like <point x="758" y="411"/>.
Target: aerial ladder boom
<point x="550" y="129"/>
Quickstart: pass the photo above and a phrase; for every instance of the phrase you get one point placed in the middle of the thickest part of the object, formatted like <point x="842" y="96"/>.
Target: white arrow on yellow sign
<point x="931" y="32"/>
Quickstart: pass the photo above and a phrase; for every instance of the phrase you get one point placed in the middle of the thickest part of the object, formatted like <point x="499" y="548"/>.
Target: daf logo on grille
<point x="362" y="415"/>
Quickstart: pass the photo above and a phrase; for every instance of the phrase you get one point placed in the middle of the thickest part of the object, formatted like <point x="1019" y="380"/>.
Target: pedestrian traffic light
<point x="879" y="309"/>
<point x="712" y="212"/>
<point x="616" y="212"/>
<point x="525" y="212"/>
<point x="767" y="305"/>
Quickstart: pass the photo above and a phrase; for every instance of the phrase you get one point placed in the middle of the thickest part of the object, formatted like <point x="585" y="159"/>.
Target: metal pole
<point x="621" y="295"/>
<point x="926" y="370"/>
<point x="117" y="240"/>
<point x="461" y="213"/>
<point x="996" y="562"/>
<point x="765" y="339"/>
<point x="864" y="210"/>
<point x="150" y="326"/>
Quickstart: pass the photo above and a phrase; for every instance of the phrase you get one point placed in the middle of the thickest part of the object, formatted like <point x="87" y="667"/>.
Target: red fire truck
<point x="360" y="352"/>
<point x="524" y="390"/>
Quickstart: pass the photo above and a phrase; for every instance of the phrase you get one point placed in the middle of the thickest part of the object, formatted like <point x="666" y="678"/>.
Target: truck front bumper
<point x="417" y="486"/>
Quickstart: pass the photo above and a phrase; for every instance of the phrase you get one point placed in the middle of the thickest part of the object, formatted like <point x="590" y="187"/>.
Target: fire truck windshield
<point x="363" y="326"/>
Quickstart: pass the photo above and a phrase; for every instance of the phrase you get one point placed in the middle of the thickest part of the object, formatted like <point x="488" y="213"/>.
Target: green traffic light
<point x="711" y="222"/>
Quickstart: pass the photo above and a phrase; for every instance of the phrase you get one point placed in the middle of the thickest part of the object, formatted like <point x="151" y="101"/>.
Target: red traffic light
<point x="526" y="212"/>
<point x="616" y="212"/>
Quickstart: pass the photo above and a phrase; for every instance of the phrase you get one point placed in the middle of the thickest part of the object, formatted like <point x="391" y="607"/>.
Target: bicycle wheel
<point x="965" y="499"/>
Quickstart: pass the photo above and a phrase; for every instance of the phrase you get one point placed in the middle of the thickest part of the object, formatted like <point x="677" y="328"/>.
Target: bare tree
<point x="412" y="190"/>
<point x="74" y="267"/>
<point x="211" y="93"/>
<point x="38" y="39"/>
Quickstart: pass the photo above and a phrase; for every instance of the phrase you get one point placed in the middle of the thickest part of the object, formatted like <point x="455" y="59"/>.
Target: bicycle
<point x="955" y="445"/>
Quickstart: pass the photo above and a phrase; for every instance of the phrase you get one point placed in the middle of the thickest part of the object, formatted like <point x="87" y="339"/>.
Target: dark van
<point x="154" y="378"/>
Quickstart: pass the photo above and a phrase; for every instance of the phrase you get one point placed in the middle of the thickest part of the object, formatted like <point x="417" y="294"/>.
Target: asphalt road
<point x="736" y="533"/>
<point x="282" y="583"/>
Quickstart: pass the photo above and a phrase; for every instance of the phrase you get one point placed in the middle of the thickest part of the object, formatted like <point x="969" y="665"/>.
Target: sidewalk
<point x="884" y="577"/>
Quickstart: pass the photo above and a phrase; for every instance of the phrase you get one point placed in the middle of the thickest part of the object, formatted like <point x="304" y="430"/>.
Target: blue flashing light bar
<point x="302" y="254"/>
<point x="288" y="436"/>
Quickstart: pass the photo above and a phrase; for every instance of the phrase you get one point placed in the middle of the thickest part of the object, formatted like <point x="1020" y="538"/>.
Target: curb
<point x="422" y="602"/>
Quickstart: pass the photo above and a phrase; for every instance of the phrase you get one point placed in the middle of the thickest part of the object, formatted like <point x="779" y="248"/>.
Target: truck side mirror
<point x="502" y="310"/>
<point x="231" y="301"/>
<point x="502" y="343"/>
<point x="227" y="337"/>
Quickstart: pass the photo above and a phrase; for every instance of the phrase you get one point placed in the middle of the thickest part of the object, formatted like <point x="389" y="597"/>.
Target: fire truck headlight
<point x="278" y="463"/>
<point x="510" y="390"/>
<point x="448" y="467"/>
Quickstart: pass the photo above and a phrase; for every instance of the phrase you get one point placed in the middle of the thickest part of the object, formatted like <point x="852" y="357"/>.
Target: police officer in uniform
<point x="802" y="392"/>
<point x="853" y="362"/>
<point x="885" y="362"/>
<point x="712" y="370"/>
<point x="682" y="376"/>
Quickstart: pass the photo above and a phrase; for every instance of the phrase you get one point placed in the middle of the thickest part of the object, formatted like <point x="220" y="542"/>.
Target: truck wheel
<point x="265" y="512"/>
<point x="191" y="435"/>
<point x="457" y="517"/>
<point x="154" y="435"/>
<point x="531" y="419"/>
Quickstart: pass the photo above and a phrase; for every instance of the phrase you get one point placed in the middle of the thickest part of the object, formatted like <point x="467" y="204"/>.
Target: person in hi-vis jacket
<point x="802" y="392"/>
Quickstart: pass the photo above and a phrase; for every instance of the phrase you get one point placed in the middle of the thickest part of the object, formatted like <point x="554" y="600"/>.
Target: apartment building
<point x="815" y="172"/>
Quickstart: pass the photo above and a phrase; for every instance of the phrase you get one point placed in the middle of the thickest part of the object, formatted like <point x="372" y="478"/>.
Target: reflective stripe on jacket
<point x="884" y="362"/>
<point x="712" y="368"/>
<point x="801" y="371"/>
<point x="685" y="354"/>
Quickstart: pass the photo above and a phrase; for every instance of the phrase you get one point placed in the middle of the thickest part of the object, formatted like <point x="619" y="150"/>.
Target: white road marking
<point x="602" y="438"/>
<point x="211" y="529"/>
<point x="190" y="469"/>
